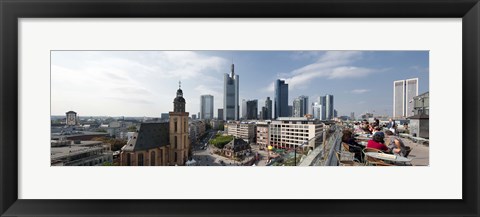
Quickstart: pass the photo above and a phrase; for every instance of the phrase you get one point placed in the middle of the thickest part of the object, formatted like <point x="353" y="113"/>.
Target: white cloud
<point x="329" y="65"/>
<point x="420" y="69"/>
<point x="104" y="82"/>
<point x="359" y="91"/>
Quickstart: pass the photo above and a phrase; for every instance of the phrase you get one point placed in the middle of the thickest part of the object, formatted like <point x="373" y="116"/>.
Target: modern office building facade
<point x="269" y="111"/>
<point x="243" y="131"/>
<point x="252" y="109"/>
<point x="288" y="133"/>
<point x="230" y="96"/>
<point x="281" y="99"/>
<point x="220" y="114"/>
<point x="206" y="107"/>
<point x="411" y="91"/>
<point x="244" y="109"/>
<point x="329" y="107"/>
<point x="300" y="106"/>
<point x="403" y="93"/>
<point x="399" y="99"/>
<point x="318" y="111"/>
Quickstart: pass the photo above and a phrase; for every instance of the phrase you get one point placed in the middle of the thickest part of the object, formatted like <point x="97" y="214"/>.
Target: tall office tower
<point x="290" y="111"/>
<point x="322" y="101"/>
<point x="399" y="98"/>
<point x="301" y="109"/>
<point x="411" y="90"/>
<point x="252" y="109"/>
<point x="268" y="112"/>
<point x="264" y="114"/>
<point x="318" y="111"/>
<point x="230" y="96"/>
<point x="352" y="116"/>
<point x="329" y="107"/>
<point x="244" y="109"/>
<point x="206" y="107"/>
<point x="403" y="93"/>
<point x="281" y="99"/>
<point x="296" y="107"/>
<point x="300" y="106"/>
<point x="335" y="113"/>
<point x="220" y="114"/>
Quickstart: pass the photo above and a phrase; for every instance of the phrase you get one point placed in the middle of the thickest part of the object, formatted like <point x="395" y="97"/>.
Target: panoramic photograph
<point x="239" y="108"/>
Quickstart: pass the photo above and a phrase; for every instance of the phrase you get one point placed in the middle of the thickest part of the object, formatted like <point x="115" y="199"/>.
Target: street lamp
<point x="269" y="148"/>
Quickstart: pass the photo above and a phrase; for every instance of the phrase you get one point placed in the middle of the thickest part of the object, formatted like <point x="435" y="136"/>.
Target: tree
<point x="132" y="129"/>
<point x="101" y="130"/>
<point x="115" y="144"/>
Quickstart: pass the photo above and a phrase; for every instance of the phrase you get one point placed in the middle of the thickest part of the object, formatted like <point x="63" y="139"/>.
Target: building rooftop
<point x="150" y="135"/>
<point x="74" y="149"/>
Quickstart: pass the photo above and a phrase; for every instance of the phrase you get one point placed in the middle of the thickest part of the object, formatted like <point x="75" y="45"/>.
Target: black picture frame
<point x="12" y="10"/>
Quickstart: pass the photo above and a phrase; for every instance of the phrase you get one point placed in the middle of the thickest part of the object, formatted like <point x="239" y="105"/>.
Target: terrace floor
<point x="420" y="153"/>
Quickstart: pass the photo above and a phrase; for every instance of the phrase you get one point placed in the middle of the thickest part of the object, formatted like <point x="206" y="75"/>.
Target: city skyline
<point x="139" y="83"/>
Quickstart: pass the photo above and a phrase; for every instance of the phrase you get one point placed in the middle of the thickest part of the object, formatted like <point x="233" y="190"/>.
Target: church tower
<point x="179" y="144"/>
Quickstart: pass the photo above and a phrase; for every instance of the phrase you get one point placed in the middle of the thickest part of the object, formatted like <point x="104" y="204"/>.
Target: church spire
<point x="179" y="101"/>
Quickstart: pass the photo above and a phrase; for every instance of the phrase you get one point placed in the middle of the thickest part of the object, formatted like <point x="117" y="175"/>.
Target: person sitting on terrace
<point x="392" y="126"/>
<point x="353" y="146"/>
<point x="376" y="129"/>
<point x="395" y="144"/>
<point x="378" y="142"/>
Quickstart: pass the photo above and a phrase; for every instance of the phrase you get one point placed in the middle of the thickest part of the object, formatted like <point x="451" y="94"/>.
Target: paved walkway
<point x="420" y="153"/>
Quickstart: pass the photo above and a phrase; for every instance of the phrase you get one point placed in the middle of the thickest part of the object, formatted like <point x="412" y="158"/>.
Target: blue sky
<point x="143" y="83"/>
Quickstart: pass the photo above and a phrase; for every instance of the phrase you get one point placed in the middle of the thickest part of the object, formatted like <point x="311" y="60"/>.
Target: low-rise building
<point x="245" y="131"/>
<point x="262" y="134"/>
<point x="79" y="153"/>
<point x="216" y="124"/>
<point x="236" y="148"/>
<point x="196" y="129"/>
<point x="288" y="133"/>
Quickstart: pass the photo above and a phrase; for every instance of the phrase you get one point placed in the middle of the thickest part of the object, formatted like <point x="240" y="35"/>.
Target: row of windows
<point x="291" y="126"/>
<point x="141" y="159"/>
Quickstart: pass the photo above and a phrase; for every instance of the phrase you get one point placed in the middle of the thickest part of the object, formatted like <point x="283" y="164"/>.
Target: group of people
<point x="383" y="140"/>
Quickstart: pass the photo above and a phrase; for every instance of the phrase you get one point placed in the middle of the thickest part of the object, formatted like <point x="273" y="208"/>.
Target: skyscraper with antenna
<point x="230" y="95"/>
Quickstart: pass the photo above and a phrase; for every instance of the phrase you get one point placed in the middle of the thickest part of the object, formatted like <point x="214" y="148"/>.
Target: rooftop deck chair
<point x="370" y="160"/>
<point x="409" y="149"/>
<point x="345" y="163"/>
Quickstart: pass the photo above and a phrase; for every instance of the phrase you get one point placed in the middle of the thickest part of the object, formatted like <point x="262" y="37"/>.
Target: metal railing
<point x="324" y="155"/>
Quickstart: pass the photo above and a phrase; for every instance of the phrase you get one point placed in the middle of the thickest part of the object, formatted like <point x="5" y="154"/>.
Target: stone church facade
<point x="160" y="144"/>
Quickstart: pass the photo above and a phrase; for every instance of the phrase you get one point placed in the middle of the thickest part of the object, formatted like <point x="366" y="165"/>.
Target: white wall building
<point x="292" y="132"/>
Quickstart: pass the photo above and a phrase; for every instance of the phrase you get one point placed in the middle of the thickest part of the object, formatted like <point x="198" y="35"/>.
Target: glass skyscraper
<point x="268" y="106"/>
<point x="281" y="99"/>
<point x="206" y="107"/>
<point x="300" y="106"/>
<point x="329" y="107"/>
<point x="230" y="96"/>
